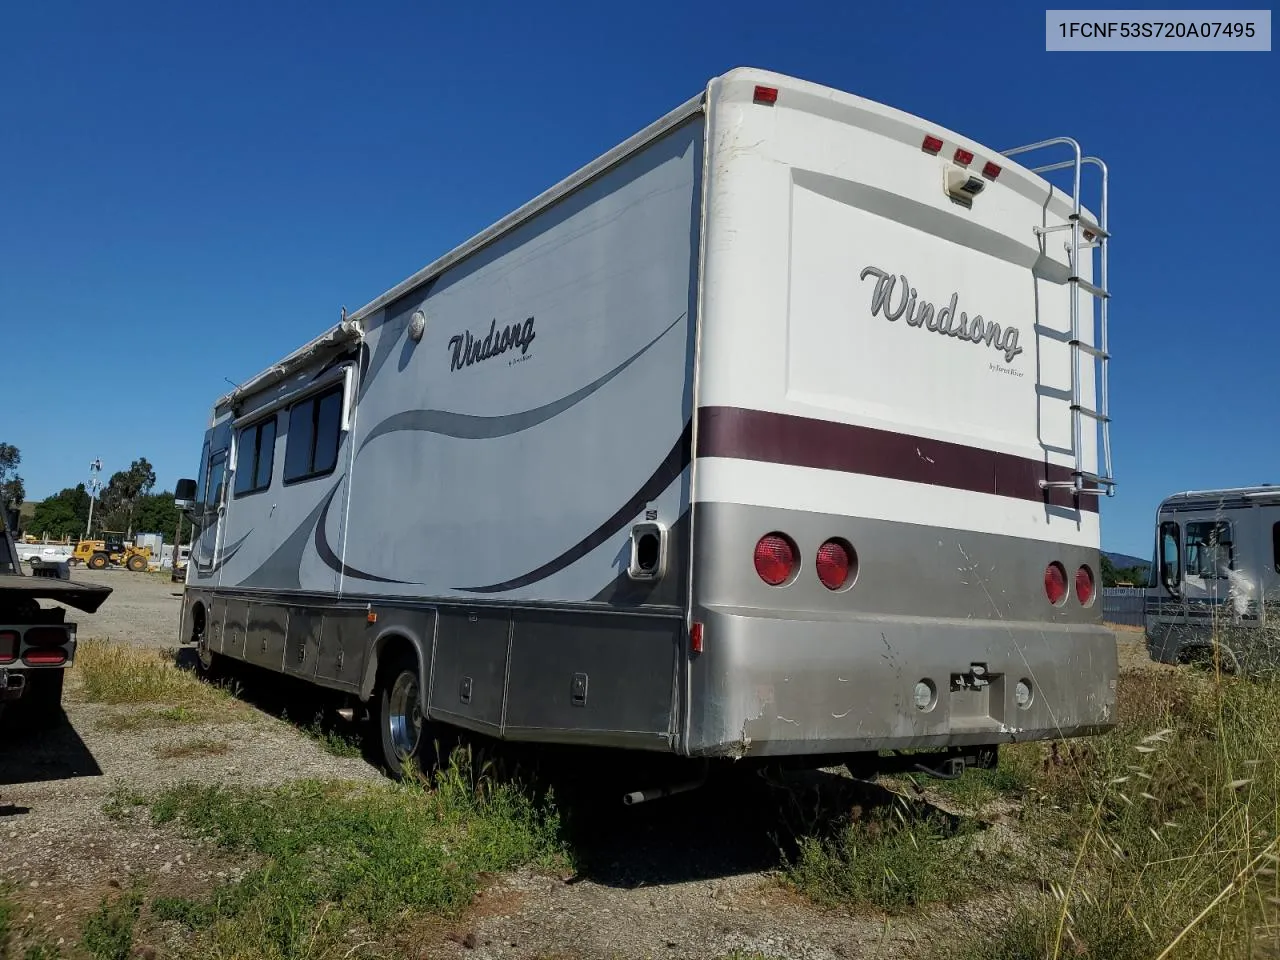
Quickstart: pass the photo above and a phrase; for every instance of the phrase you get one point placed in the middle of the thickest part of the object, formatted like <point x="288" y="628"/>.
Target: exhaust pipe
<point x="653" y="793"/>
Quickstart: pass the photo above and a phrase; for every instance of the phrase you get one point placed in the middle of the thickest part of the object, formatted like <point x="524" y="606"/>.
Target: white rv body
<point x="1215" y="575"/>
<point x="763" y="315"/>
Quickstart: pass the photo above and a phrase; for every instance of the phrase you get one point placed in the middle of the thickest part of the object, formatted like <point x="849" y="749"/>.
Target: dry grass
<point x="1172" y="821"/>
<point x="115" y="673"/>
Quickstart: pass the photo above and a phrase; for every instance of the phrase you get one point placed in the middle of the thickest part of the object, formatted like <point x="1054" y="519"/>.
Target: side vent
<point x="648" y="552"/>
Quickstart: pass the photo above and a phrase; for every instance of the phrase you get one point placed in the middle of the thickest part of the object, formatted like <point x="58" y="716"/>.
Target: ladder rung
<point x="1087" y="224"/>
<point x="1089" y="349"/>
<point x="1088" y="287"/>
<point x="1087" y="412"/>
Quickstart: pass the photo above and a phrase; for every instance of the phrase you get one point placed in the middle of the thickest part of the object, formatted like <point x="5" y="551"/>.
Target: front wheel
<point x="398" y="732"/>
<point x="136" y="564"/>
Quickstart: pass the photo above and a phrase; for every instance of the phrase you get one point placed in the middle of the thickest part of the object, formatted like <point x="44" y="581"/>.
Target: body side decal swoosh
<point x="464" y="426"/>
<point x="670" y="468"/>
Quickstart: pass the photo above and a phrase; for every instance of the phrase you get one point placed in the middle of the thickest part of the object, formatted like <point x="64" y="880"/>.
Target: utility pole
<point x="95" y="485"/>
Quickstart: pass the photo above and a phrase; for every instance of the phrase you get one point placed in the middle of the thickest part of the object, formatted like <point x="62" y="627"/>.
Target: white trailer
<point x="1215" y="572"/>
<point x="773" y="431"/>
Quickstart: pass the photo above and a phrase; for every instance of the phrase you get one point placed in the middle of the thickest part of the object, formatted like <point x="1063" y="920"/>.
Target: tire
<point x="136" y="564"/>
<point x="399" y="725"/>
<point x="210" y="666"/>
<point x="42" y="700"/>
<point x="98" y="561"/>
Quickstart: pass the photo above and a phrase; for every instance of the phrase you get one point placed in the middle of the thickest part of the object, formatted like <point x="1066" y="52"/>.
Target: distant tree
<point x="120" y="497"/>
<point x="62" y="515"/>
<point x="12" y="490"/>
<point x="156" y="513"/>
<point x="1108" y="572"/>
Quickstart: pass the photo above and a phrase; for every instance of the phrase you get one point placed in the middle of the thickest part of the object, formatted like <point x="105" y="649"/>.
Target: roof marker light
<point x="766" y="95"/>
<point x="990" y="170"/>
<point x="931" y="144"/>
<point x="963" y="156"/>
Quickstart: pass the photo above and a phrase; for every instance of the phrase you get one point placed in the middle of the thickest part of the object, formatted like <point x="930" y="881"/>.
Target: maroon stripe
<point x="802" y="442"/>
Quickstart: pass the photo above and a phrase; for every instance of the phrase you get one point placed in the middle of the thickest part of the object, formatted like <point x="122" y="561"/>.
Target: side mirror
<point x="184" y="497"/>
<point x="1168" y="577"/>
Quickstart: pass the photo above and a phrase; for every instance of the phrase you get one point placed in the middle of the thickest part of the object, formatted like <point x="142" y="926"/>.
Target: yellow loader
<point x="111" y="550"/>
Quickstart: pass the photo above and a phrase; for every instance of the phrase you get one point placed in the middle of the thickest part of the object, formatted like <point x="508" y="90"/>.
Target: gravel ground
<point x="143" y="609"/>
<point x="675" y="881"/>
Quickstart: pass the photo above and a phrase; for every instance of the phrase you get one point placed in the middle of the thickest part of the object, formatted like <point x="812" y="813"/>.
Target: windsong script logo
<point x="467" y="348"/>
<point x="945" y="321"/>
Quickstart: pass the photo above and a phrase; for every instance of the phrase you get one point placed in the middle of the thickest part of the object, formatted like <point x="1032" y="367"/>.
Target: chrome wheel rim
<point x="404" y="715"/>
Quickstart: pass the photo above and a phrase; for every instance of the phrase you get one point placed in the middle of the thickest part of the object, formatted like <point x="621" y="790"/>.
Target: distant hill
<point x="1122" y="560"/>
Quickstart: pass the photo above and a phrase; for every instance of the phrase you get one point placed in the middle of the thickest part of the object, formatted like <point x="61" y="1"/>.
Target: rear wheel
<point x="398" y="719"/>
<point x="136" y="563"/>
<point x="98" y="561"/>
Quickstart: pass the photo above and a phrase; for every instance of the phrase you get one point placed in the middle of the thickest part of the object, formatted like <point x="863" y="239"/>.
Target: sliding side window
<point x="315" y="428"/>
<point x="255" y="454"/>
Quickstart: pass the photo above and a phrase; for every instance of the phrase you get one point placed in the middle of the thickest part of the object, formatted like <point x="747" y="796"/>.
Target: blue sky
<point x="191" y="191"/>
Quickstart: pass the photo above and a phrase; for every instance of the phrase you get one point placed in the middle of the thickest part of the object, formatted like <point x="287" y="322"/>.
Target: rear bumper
<point x="775" y="686"/>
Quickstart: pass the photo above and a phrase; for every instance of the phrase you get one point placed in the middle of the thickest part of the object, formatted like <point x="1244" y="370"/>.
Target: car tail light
<point x="48" y="656"/>
<point x="836" y="563"/>
<point x="775" y="558"/>
<point x="8" y="646"/>
<point x="1084" y="586"/>
<point x="1055" y="583"/>
<point x="47" y="636"/>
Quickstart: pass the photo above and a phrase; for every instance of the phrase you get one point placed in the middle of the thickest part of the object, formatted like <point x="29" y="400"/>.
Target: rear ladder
<point x="1085" y="236"/>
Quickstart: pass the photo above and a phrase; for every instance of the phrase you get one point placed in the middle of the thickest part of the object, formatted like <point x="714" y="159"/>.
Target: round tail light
<point x="1055" y="583"/>
<point x="836" y="563"/>
<point x="1084" y="586"/>
<point x="775" y="558"/>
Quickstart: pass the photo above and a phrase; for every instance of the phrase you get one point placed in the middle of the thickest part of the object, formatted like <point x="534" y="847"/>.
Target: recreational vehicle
<point x="1216" y="564"/>
<point x="776" y="431"/>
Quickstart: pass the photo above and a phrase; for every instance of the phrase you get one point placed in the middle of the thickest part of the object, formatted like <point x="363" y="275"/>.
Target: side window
<point x="1209" y="549"/>
<point x="315" y="428"/>
<point x="254" y="457"/>
<point x="1170" y="553"/>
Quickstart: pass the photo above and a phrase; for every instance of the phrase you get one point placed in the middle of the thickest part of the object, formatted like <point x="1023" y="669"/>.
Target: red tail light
<point x="836" y="563"/>
<point x="1055" y="583"/>
<point x="775" y="558"/>
<point x="1084" y="586"/>
<point x="45" y="657"/>
<point x="8" y="646"/>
